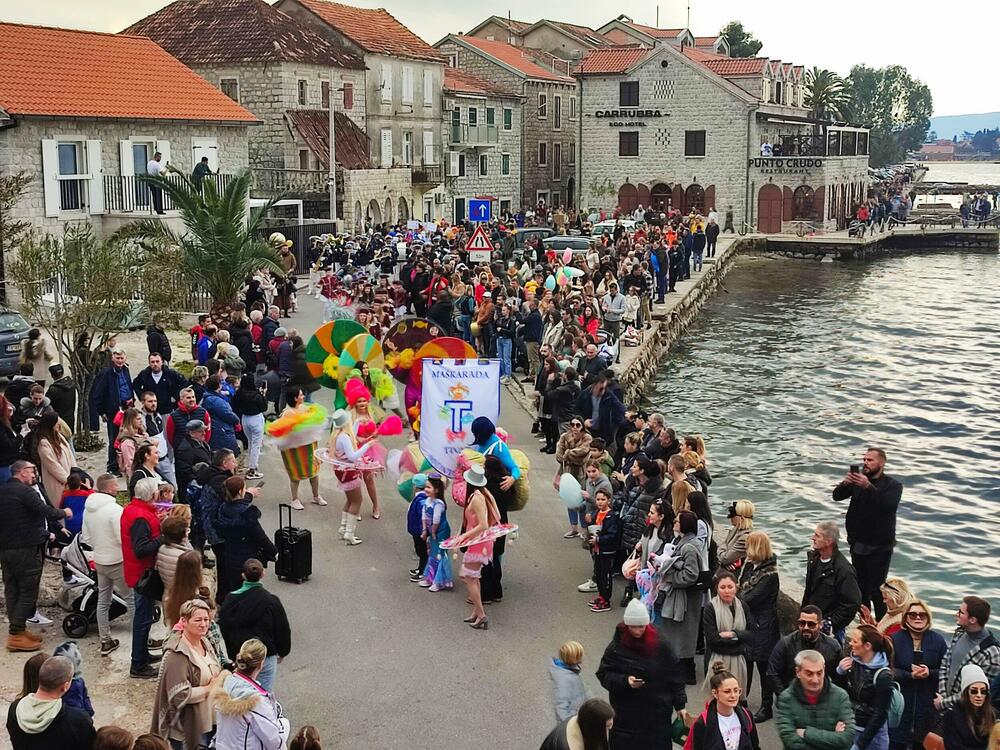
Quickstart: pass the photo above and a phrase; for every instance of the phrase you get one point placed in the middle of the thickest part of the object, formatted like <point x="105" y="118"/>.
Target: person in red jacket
<point x="141" y="540"/>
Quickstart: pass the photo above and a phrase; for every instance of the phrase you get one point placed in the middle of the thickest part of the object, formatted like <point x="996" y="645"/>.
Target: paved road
<point x="379" y="662"/>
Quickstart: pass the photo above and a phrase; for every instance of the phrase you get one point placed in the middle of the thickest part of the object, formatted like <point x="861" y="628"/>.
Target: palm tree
<point x="825" y="94"/>
<point x="222" y="243"/>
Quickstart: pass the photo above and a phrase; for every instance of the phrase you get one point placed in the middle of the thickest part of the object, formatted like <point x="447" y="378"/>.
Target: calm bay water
<point x="794" y="367"/>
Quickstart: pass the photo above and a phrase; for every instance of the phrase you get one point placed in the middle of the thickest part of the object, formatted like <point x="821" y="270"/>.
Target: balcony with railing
<point x="269" y="182"/>
<point x="833" y="143"/>
<point x="474" y="136"/>
<point x="126" y="194"/>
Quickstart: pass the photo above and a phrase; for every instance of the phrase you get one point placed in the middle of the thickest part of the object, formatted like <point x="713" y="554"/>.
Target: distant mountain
<point x="952" y="125"/>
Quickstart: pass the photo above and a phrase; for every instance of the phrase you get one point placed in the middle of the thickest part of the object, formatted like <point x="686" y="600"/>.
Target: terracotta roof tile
<point x="515" y="58"/>
<point x="705" y="41"/>
<point x="727" y="67"/>
<point x="460" y="82"/>
<point x="314" y="127"/>
<point x="207" y="32"/>
<point x="655" y="32"/>
<point x="375" y="30"/>
<point x="611" y="60"/>
<point x="68" y="73"/>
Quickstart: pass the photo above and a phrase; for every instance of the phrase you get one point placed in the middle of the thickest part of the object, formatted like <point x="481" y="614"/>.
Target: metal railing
<point x="130" y="194"/>
<point x="427" y="174"/>
<point x="270" y="182"/>
<point x="72" y="194"/>
<point x="475" y="135"/>
<point x="300" y="235"/>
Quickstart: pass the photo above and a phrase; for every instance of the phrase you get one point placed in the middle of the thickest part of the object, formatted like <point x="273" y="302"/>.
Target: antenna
<point x="689" y="16"/>
<point x="657" y="15"/>
<point x="510" y="30"/>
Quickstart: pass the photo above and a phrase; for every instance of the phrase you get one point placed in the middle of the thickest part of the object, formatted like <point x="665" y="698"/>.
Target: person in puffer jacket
<point x="247" y="717"/>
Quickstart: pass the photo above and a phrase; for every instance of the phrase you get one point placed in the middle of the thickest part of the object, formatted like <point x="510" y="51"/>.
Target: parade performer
<point x="382" y="386"/>
<point x="480" y="513"/>
<point x="365" y="427"/>
<point x="296" y="433"/>
<point x="437" y="572"/>
<point x="345" y="446"/>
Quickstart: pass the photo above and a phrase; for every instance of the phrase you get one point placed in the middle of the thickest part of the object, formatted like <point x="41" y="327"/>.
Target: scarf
<point x="729" y="617"/>
<point x="247" y="585"/>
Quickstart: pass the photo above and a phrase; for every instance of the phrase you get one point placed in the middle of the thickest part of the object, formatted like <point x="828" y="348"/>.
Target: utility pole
<point x="332" y="179"/>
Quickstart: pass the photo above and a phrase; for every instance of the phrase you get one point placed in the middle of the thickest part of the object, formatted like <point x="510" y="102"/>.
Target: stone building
<point x="402" y="95"/>
<point x="549" y="126"/>
<point x="565" y="41"/>
<point x="673" y="125"/>
<point x="482" y="131"/>
<point x="85" y="112"/>
<point x="289" y="77"/>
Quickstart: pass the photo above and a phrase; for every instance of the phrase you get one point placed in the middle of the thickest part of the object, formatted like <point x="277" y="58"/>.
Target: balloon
<point x="550" y="283"/>
<point x="392" y="463"/>
<point x="563" y="280"/>
<point x="570" y="492"/>
<point x="567" y="255"/>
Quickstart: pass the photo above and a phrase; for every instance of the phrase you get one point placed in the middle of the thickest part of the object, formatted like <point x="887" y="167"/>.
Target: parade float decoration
<point x="296" y="433"/>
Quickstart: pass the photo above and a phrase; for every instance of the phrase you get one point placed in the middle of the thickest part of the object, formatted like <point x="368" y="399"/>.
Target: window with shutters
<point x="508" y="118"/>
<point x="571" y="153"/>
<point x="72" y="176"/>
<point x="543" y="154"/>
<point x="628" y="143"/>
<point x="428" y="88"/>
<point x="348" y="96"/>
<point x="572" y="108"/>
<point x="491" y="116"/>
<point x="628" y="94"/>
<point x="303" y="93"/>
<point x="694" y="143"/>
<point x="407" y="96"/>
<point x="324" y="88"/>
<point x="505" y="164"/>
<point x="230" y="87"/>
<point x="473" y="117"/>
<point x="386" y="83"/>
<point x="543" y="107"/>
<point x="484" y="165"/>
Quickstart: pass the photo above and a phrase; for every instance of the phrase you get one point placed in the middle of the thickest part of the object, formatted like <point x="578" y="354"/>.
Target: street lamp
<point x="332" y="178"/>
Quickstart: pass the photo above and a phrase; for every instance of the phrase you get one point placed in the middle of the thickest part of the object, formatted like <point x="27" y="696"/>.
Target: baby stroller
<point x="83" y="606"/>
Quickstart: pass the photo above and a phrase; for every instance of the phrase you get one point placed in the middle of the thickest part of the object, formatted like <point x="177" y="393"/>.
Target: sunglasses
<point x="917" y="615"/>
<point x="808" y="624"/>
<point x="979" y="691"/>
<point x="576" y="424"/>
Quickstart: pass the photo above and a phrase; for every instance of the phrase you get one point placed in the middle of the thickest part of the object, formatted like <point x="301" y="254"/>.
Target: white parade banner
<point x="453" y="393"/>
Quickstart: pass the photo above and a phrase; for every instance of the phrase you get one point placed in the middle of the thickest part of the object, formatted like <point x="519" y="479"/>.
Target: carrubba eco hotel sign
<point x="618" y="118"/>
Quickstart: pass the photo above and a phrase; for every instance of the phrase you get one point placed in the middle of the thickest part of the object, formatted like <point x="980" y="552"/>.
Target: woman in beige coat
<point x="55" y="457"/>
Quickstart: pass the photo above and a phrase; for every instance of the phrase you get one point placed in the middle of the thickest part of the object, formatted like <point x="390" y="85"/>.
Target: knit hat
<point x="971" y="674"/>
<point x="636" y="614"/>
<point x="419" y="480"/>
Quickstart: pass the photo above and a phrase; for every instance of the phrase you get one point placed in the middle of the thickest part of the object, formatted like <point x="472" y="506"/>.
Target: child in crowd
<point x="414" y="526"/>
<point x="29" y="675"/>
<point x="594" y="481"/>
<point x="77" y="695"/>
<point x="78" y="487"/>
<point x="568" y="692"/>
<point x="604" y="543"/>
<point x="307" y="738"/>
<point x="165" y="495"/>
<point x="631" y="307"/>
<point x="599" y="453"/>
<point x="437" y="573"/>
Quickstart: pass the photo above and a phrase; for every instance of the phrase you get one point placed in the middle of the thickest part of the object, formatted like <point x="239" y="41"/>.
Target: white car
<point x="609" y="227"/>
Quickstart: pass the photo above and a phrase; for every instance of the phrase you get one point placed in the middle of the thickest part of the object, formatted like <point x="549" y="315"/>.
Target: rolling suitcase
<point x="294" y="549"/>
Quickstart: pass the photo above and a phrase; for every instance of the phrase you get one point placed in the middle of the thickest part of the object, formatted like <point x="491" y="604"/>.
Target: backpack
<point x="895" y="701"/>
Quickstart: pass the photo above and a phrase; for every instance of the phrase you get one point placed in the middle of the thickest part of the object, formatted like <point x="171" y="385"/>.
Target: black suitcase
<point x="294" y="549"/>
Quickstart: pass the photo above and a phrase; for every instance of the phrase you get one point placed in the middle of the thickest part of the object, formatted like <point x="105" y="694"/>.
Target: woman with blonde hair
<point x="679" y="492"/>
<point x="568" y="690"/>
<point x="131" y="435"/>
<point x="694" y="466"/>
<point x="182" y="708"/>
<point x="247" y="715"/>
<point x="897" y="597"/>
<point x="734" y="547"/>
<point x="199" y="376"/>
<point x="918" y="651"/>
<point x="346" y="446"/>
<point x="759" y="589"/>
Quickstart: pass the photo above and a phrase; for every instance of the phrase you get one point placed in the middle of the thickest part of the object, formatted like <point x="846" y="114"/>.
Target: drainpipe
<point x="746" y="181"/>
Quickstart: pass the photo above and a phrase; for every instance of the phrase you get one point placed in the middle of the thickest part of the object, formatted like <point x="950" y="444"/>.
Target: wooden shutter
<point x="164" y="148"/>
<point x="818" y="199"/>
<point x="677" y="198"/>
<point x="95" y="186"/>
<point x="50" y="176"/>
<point x="709" y="199"/>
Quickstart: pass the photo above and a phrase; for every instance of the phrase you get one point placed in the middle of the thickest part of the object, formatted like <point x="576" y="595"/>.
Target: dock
<point x="841" y="246"/>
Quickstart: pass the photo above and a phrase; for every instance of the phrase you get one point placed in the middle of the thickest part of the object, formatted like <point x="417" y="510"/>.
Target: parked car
<point x="13" y="330"/>
<point x="609" y="227"/>
<point x="577" y="244"/>
<point x="521" y="236"/>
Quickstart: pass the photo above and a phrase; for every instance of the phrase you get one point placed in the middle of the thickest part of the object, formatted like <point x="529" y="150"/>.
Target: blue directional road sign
<point x="480" y="210"/>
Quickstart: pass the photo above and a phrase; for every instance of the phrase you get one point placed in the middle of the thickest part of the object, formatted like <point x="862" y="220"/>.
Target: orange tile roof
<point x="375" y="30"/>
<point x="705" y="41"/>
<point x="611" y="60"/>
<point x="727" y="67"/>
<point x="212" y="32"/>
<point x="514" y="58"/>
<point x="67" y="73"/>
<point x="655" y="32"/>
<point x="460" y="82"/>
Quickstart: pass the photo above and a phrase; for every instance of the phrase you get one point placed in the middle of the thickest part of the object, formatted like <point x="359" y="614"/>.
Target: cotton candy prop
<point x="570" y="491"/>
<point x="298" y="427"/>
<point x="567" y="255"/>
<point x="392" y="464"/>
<point x="391" y="425"/>
<point x="550" y="282"/>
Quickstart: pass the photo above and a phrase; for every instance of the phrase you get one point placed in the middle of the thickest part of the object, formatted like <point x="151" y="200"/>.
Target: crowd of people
<point x="185" y="452"/>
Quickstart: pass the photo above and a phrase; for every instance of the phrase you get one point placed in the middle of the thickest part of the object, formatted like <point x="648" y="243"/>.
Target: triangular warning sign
<point x="479" y="240"/>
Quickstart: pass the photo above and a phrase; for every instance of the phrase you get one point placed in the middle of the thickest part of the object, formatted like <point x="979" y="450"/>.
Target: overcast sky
<point x="939" y="43"/>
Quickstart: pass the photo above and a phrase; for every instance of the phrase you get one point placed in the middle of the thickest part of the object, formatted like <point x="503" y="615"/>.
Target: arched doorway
<point x="404" y="210"/>
<point x="388" y="210"/>
<point x="804" y="203"/>
<point x="659" y="196"/>
<point x="628" y="198"/>
<point x="358" y="217"/>
<point x="643" y="195"/>
<point x="571" y="192"/>
<point x="373" y="215"/>
<point x="769" y="209"/>
<point x="694" y="198"/>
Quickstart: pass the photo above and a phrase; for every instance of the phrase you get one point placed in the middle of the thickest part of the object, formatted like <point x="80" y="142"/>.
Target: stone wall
<point x="364" y="189"/>
<point x="547" y="179"/>
<point x="20" y="149"/>
<point x="270" y="89"/>
<point x="689" y="98"/>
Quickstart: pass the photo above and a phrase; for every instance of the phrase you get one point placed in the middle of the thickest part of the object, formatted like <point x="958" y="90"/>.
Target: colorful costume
<point x="296" y="433"/>
<point x="478" y="553"/>
<point x="438" y="569"/>
<point x="346" y="449"/>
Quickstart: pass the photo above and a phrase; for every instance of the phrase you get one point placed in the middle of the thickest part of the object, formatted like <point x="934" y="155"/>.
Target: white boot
<point x="352" y="522"/>
<point x="343" y="524"/>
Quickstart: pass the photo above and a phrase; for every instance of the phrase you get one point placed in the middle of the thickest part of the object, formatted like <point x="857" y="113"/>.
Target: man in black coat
<point x="871" y="524"/>
<point x="675" y="258"/>
<point x="442" y="311"/>
<point x="781" y="665"/>
<point x="269" y="325"/>
<point x="62" y="395"/>
<point x="831" y="583"/>
<point x="711" y="237"/>
<point x="592" y="366"/>
<point x="158" y="378"/>
<point x="41" y="721"/>
<point x="253" y="612"/>
<point x="23" y="536"/>
<point x="112" y="390"/>
<point x="193" y="450"/>
<point x="157" y="341"/>
<point x="601" y="410"/>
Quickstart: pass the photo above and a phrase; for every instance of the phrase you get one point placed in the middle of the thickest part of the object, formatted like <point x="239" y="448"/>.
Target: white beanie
<point x="636" y="614"/>
<point x="971" y="674"/>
